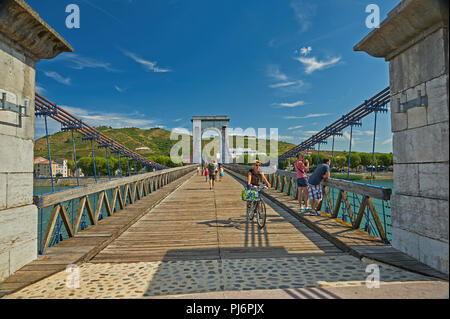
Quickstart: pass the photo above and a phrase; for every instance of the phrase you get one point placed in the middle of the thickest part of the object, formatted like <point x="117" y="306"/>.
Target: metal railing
<point x="65" y="213"/>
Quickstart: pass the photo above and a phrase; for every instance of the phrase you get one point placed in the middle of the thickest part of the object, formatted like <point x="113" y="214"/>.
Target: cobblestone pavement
<point x="146" y="279"/>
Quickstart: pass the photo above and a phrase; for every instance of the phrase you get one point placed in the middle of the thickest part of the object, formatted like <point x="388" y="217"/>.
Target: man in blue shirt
<point x="314" y="188"/>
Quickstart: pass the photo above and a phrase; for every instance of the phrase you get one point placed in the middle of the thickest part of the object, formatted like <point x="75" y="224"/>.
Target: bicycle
<point x="257" y="206"/>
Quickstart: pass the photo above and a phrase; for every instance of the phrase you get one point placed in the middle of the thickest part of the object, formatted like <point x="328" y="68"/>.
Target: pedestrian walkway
<point x="198" y="241"/>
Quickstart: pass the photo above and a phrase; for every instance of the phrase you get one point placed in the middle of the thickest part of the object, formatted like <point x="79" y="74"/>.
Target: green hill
<point x="156" y="139"/>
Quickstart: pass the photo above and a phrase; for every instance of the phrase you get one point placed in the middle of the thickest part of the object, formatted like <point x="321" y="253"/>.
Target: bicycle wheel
<point x="250" y="210"/>
<point x="261" y="217"/>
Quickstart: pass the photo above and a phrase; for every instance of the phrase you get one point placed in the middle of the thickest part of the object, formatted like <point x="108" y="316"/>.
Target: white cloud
<point x="293" y="104"/>
<point x="282" y="80"/>
<point x="274" y="72"/>
<point x="295" y="127"/>
<point x="149" y="65"/>
<point x="359" y="133"/>
<point x="388" y="141"/>
<point x="114" y="120"/>
<point x="79" y="62"/>
<point x="119" y="89"/>
<point x="178" y="120"/>
<point x="282" y="84"/>
<point x="346" y="135"/>
<point x="304" y="12"/>
<point x="181" y="130"/>
<point x="39" y="127"/>
<point x="57" y="77"/>
<point x="305" y="50"/>
<point x="284" y="137"/>
<point x="39" y="89"/>
<point x="313" y="65"/>
<point x="306" y="116"/>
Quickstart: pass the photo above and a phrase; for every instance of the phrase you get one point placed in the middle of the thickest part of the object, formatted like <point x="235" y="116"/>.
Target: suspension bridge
<point x="163" y="233"/>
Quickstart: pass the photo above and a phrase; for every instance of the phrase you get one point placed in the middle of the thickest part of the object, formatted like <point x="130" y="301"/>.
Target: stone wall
<point x="414" y="39"/>
<point x="18" y="215"/>
<point x="420" y="206"/>
<point x="24" y="40"/>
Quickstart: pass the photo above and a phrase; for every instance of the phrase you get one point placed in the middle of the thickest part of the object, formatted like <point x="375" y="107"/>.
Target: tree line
<point x="86" y="164"/>
<point x="341" y="161"/>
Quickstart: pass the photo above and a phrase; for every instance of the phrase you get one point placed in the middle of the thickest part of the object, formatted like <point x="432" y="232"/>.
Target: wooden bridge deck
<point x="195" y="222"/>
<point x="186" y="238"/>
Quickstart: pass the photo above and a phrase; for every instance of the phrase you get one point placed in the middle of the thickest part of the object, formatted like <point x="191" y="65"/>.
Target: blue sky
<point x="286" y="64"/>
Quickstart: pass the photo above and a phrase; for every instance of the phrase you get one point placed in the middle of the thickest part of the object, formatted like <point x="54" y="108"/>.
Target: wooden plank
<point x="348" y="207"/>
<point x="125" y="194"/>
<point x="360" y="215"/>
<point x="90" y="211"/>
<point x="289" y="187"/>
<point x="140" y="189"/>
<point x="359" y="188"/>
<point x="337" y="207"/>
<point x="66" y="221"/>
<point x="108" y="207"/>
<point x="114" y="199"/>
<point x="130" y="196"/>
<point x="376" y="218"/>
<point x="99" y="206"/>
<point x="327" y="196"/>
<point x="79" y="213"/>
<point x="50" y="226"/>
<point x="119" y="196"/>
<point x="135" y="186"/>
<point x="145" y="187"/>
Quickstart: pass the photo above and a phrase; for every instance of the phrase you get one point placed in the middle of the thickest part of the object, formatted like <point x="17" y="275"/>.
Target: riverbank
<point x="381" y="176"/>
<point x="66" y="181"/>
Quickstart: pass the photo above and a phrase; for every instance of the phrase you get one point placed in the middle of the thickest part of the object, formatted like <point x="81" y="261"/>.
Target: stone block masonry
<point x="414" y="39"/>
<point x="24" y="40"/>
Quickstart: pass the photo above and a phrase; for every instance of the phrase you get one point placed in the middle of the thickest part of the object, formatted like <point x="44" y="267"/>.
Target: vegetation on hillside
<point x="156" y="140"/>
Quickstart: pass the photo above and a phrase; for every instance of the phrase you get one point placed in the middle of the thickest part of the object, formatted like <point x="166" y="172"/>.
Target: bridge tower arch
<point x="219" y="124"/>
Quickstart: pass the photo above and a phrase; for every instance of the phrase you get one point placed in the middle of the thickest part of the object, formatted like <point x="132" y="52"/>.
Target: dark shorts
<point x="315" y="192"/>
<point x="212" y="176"/>
<point x="302" y="182"/>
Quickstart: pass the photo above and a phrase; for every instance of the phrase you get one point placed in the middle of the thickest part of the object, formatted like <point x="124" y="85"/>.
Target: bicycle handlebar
<point x="260" y="188"/>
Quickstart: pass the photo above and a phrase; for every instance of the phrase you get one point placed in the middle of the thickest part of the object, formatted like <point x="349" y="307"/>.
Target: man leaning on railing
<point x="314" y="188"/>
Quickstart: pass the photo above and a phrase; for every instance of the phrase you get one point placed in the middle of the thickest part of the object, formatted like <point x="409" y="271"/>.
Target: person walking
<point x="206" y="171"/>
<point x="221" y="172"/>
<point x="302" y="166"/>
<point x="321" y="173"/>
<point x="212" y="174"/>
